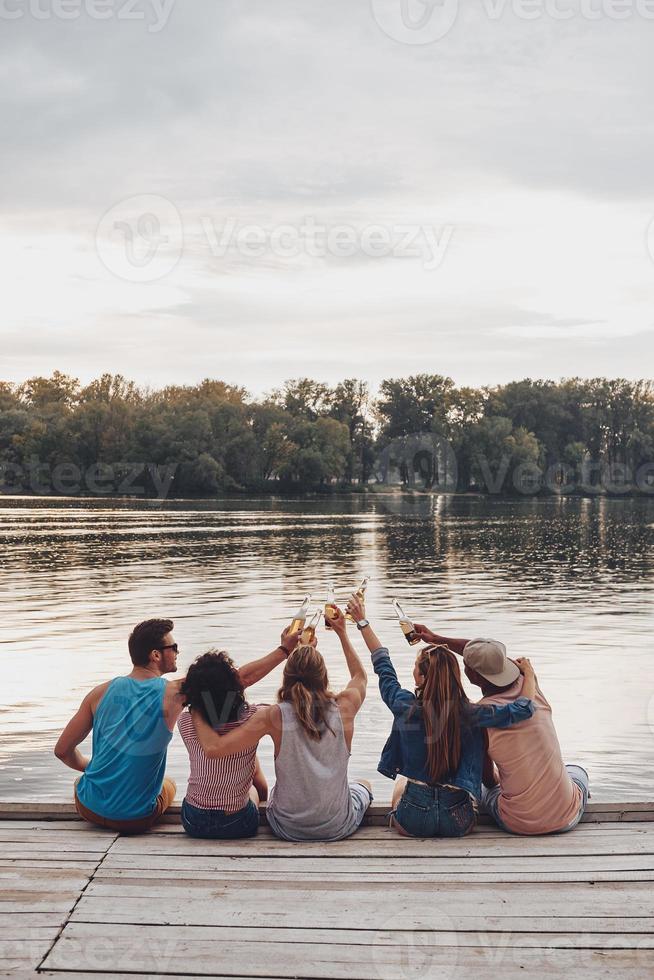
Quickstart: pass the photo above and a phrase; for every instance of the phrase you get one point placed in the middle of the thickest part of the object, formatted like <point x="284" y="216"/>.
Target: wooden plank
<point x="58" y="826"/>
<point x="83" y="867"/>
<point x="68" y="852"/>
<point x="17" y="930"/>
<point x="469" y="965"/>
<point x="385" y="934"/>
<point x="52" y="903"/>
<point x="60" y="879"/>
<point x="36" y="920"/>
<point x="393" y="846"/>
<point x="157" y="951"/>
<point x="178" y="866"/>
<point x="486" y="833"/>
<point x="31" y="810"/>
<point x="22" y="954"/>
<point x="342" y="905"/>
<point x="54" y="975"/>
<point x="488" y="877"/>
<point x="56" y="838"/>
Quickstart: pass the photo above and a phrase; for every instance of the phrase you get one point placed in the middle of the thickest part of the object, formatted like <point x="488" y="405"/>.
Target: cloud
<point x="530" y="138"/>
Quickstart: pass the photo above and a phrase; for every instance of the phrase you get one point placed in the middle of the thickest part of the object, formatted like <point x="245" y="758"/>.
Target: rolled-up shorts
<point x="139" y="826"/>
<point x="490" y="800"/>
<point x="219" y="825"/>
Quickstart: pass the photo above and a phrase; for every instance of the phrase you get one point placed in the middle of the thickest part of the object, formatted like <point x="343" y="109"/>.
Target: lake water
<point x="567" y="582"/>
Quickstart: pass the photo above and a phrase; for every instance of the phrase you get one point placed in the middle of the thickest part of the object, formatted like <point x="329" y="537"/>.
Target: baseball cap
<point x="488" y="658"/>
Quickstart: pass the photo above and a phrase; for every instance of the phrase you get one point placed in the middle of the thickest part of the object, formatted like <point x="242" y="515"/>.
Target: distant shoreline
<point x="332" y="493"/>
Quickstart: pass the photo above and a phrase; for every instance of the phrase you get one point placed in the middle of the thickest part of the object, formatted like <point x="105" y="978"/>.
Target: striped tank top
<point x="218" y="784"/>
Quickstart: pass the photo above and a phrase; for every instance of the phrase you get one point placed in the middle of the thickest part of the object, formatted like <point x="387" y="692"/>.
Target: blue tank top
<point x="130" y="741"/>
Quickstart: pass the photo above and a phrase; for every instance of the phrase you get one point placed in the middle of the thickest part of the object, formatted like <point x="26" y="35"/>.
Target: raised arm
<point x="392" y="693"/>
<point x="355" y="692"/>
<point x="257" y="669"/>
<point x="246" y="736"/>
<point x="77" y="729"/>
<point x="427" y="636"/>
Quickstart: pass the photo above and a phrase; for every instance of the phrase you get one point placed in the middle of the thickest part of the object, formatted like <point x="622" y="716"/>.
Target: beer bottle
<point x="361" y="596"/>
<point x="406" y="625"/>
<point x="300" y="617"/>
<point x="309" y="632"/>
<point x="331" y="610"/>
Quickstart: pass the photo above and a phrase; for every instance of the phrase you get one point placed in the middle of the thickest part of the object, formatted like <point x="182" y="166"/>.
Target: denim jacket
<point x="405" y="751"/>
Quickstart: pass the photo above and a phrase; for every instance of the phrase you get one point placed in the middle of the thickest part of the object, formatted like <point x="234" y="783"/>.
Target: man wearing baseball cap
<point x="537" y="793"/>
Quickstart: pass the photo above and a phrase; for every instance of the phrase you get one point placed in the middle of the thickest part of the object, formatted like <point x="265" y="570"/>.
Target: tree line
<point x="214" y="437"/>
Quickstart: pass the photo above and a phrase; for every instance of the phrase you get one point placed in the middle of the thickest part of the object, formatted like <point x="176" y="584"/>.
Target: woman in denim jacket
<point x="437" y="741"/>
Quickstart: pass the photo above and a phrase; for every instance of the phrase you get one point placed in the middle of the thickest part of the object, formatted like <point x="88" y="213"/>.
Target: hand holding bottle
<point x="355" y="608"/>
<point x="425" y="634"/>
<point x="290" y="640"/>
<point x="337" y="622"/>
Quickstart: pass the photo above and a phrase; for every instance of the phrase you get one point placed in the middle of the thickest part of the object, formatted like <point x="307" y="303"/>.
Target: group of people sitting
<point x="449" y="757"/>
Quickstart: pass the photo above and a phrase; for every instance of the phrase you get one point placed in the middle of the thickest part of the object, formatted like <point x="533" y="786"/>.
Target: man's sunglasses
<point x="171" y="646"/>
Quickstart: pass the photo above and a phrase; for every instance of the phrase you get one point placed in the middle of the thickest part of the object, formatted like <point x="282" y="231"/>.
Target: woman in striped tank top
<point x="222" y="797"/>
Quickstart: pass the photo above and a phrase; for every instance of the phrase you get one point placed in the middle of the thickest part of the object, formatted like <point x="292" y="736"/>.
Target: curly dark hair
<point x="213" y="687"/>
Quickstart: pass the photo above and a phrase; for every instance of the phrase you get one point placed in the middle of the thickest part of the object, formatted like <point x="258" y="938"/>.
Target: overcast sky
<point x="257" y="190"/>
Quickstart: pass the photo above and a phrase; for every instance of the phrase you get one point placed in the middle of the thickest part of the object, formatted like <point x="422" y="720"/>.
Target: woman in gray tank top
<point x="312" y="731"/>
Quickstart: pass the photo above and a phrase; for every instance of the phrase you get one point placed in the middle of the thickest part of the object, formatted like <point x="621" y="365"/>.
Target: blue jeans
<point x="578" y="775"/>
<point x="217" y="824"/>
<point x="434" y="811"/>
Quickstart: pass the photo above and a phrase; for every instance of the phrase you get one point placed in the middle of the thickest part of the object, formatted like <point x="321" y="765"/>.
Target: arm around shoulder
<point x="246" y="736"/>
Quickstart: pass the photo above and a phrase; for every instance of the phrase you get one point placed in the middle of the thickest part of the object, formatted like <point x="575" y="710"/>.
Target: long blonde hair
<point x="305" y="685"/>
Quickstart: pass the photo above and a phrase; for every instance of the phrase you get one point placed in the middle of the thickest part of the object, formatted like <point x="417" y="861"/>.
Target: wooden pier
<point x="87" y="903"/>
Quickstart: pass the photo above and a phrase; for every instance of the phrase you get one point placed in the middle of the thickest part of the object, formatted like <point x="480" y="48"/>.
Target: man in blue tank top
<point x="123" y="786"/>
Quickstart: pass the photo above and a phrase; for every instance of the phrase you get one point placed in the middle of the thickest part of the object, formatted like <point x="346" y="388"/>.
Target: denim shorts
<point x="578" y="775"/>
<point x="218" y="824"/>
<point x="434" y="811"/>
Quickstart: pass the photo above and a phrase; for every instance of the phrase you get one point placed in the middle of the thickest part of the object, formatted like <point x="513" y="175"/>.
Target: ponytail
<point x="443" y="701"/>
<point x="305" y="685"/>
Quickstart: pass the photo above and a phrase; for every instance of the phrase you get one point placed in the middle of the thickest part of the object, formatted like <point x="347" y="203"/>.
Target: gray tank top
<point x="311" y="799"/>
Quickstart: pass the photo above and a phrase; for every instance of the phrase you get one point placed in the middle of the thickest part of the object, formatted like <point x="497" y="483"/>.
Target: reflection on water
<point x="567" y="582"/>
